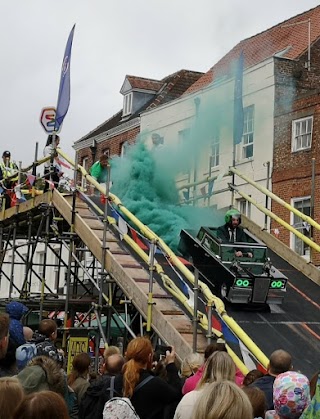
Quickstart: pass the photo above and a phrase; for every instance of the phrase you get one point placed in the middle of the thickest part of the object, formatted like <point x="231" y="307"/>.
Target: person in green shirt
<point x="99" y="169"/>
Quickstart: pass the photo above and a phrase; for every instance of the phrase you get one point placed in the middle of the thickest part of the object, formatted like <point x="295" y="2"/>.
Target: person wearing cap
<point x="231" y="232"/>
<point x="8" y="176"/>
<point x="52" y="168"/>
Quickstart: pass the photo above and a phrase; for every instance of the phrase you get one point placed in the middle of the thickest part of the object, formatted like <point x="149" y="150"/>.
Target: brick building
<point x="281" y="100"/>
<point x="293" y="49"/>
<point x="296" y="163"/>
<point x="139" y="94"/>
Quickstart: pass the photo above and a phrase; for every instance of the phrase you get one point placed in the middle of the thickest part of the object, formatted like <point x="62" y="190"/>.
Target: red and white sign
<point x="47" y="119"/>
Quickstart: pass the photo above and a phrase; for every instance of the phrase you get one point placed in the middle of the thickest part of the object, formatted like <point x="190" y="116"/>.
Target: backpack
<point x="121" y="407"/>
<point x="92" y="403"/>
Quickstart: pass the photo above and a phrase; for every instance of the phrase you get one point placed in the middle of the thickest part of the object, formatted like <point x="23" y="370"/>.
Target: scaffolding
<point x="78" y="280"/>
<point x="102" y="280"/>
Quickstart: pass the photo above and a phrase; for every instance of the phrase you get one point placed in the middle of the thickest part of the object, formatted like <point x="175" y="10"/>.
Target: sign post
<point x="47" y="119"/>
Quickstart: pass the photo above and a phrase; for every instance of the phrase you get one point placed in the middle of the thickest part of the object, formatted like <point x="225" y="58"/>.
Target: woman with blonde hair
<point x="154" y="395"/>
<point x="190" y="365"/>
<point x="218" y="367"/>
<point x="222" y="400"/>
<point x="11" y="393"/>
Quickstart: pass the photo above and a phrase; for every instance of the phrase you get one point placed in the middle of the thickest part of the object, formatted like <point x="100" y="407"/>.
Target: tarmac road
<point x="293" y="326"/>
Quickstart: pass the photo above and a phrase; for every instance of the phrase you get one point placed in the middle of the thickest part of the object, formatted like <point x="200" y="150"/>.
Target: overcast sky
<point x="148" y="38"/>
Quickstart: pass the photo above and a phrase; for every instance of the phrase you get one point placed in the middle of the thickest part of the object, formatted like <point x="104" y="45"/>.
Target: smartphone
<point x="162" y="349"/>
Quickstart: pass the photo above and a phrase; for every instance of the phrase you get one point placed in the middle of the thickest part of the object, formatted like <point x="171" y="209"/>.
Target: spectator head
<point x="222" y="400"/>
<point x="42" y="373"/>
<point x="11" y="394"/>
<point x="104" y="160"/>
<point x="27" y="333"/>
<point x="139" y="356"/>
<point x="113" y="364"/>
<point x="48" y="328"/>
<point x="258" y="401"/>
<point x="218" y="367"/>
<point x="45" y="404"/>
<point x="80" y="367"/>
<point x="160" y="369"/>
<point x="51" y="138"/>
<point x="6" y="155"/>
<point x="16" y="310"/>
<point x="252" y="376"/>
<point x="280" y="361"/>
<point x="191" y="364"/>
<point x="291" y="394"/>
<point x="219" y="345"/>
<point x="4" y="334"/>
<point x="110" y="350"/>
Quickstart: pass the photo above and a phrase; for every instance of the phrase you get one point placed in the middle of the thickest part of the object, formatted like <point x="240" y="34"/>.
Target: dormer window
<point x="127" y="104"/>
<point x="137" y="92"/>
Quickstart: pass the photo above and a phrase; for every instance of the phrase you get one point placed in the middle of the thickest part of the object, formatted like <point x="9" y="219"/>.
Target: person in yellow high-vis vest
<point x="8" y="168"/>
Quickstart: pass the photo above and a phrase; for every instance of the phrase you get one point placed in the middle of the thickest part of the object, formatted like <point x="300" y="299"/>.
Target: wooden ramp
<point x="168" y="320"/>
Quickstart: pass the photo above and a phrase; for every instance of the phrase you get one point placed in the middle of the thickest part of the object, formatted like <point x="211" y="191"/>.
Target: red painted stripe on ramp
<point x="310" y="331"/>
<point x="304" y="295"/>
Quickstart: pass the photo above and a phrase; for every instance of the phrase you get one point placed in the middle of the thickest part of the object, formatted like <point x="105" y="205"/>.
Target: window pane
<point x="302" y="134"/>
<point x="248" y="132"/>
<point x="299" y="246"/>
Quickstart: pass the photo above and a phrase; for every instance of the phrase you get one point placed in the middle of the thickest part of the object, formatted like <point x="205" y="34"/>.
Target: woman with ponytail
<point x="151" y="396"/>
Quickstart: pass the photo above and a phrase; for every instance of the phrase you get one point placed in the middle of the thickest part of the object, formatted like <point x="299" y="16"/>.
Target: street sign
<point x="47" y="119"/>
<point x="77" y="345"/>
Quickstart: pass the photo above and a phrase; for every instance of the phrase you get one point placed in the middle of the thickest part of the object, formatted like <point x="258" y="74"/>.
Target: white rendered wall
<point x="178" y="115"/>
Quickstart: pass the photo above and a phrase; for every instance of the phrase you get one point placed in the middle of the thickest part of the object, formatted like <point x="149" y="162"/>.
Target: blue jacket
<point x="16" y="310"/>
<point x="265" y="384"/>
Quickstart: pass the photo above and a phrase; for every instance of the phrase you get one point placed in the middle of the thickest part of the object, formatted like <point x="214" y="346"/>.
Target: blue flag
<point x="64" y="89"/>
<point x="238" y="104"/>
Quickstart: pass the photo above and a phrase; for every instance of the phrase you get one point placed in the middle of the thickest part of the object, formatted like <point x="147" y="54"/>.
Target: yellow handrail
<point x="276" y="198"/>
<point x="211" y="298"/>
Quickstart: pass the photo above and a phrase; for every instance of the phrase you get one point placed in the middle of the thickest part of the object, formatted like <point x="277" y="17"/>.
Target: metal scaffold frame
<point x="87" y="288"/>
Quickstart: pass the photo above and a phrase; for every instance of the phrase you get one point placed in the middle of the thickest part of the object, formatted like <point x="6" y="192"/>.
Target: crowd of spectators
<point x="205" y="386"/>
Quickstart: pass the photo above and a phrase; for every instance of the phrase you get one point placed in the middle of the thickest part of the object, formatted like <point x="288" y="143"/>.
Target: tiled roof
<point x="105" y="126"/>
<point x="293" y="40"/>
<point x="143" y="83"/>
<point x="174" y="86"/>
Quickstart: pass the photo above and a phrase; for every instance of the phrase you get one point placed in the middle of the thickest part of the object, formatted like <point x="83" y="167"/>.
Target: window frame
<point x="127" y="104"/>
<point x="85" y="165"/>
<point x="247" y="133"/>
<point x="294" y="148"/>
<point x="244" y="207"/>
<point x="294" y="239"/>
<point x="215" y="143"/>
<point x="183" y="136"/>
